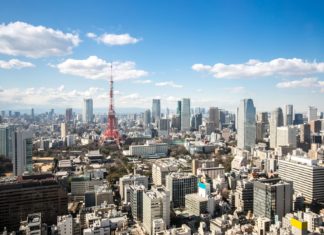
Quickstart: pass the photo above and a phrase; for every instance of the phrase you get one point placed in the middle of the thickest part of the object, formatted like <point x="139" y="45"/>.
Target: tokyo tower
<point x="111" y="132"/>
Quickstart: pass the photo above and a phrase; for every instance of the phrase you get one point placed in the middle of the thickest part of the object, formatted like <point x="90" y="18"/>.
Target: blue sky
<point x="214" y="52"/>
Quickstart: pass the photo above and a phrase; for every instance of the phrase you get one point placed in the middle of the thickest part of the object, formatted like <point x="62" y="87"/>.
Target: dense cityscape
<point x="91" y="144"/>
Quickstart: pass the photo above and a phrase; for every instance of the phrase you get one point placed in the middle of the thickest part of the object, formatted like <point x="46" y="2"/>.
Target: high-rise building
<point x="288" y="118"/>
<point x="305" y="133"/>
<point x="68" y="115"/>
<point x="299" y="119"/>
<point x="262" y="117"/>
<point x="23" y="195"/>
<point x="214" y="116"/>
<point x="156" y="110"/>
<point x="160" y="169"/>
<point x="7" y="141"/>
<point x="64" y="130"/>
<point x="32" y="114"/>
<point x="147" y="117"/>
<point x="307" y="175"/>
<point x="23" y="151"/>
<point x="312" y="113"/>
<point x="179" y="185"/>
<point x="276" y="120"/>
<point x="136" y="201"/>
<point x="196" y="121"/>
<point x="67" y="225"/>
<point x="271" y="198"/>
<point x="164" y="126"/>
<point x="246" y="125"/>
<point x="127" y="180"/>
<point x="156" y="205"/>
<point x="87" y="111"/>
<point x="185" y="114"/>
<point x="286" y="136"/>
<point x="315" y="126"/>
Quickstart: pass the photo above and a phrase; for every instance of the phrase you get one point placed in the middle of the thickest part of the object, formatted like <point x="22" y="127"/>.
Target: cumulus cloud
<point x="22" y="39"/>
<point x="256" y="68"/>
<point x="114" y="39"/>
<point x="303" y="83"/>
<point x="168" y="84"/>
<point x="143" y="81"/>
<point x="15" y="64"/>
<point x="96" y="68"/>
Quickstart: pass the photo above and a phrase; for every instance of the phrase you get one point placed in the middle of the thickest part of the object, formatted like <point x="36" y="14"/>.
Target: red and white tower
<point x="111" y="132"/>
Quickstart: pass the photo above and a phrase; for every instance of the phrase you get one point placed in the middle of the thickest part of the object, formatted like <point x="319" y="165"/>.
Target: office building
<point x="246" y="125"/>
<point x="272" y="198"/>
<point x="136" y="201"/>
<point x="261" y="130"/>
<point x="179" y="113"/>
<point x="299" y="119"/>
<point x="156" y="110"/>
<point x="149" y="150"/>
<point x="7" y="141"/>
<point x="315" y="126"/>
<point x="306" y="174"/>
<point x="286" y="136"/>
<point x="64" y="130"/>
<point x="288" y="117"/>
<point x="305" y="133"/>
<point x="156" y="205"/>
<point x="263" y="117"/>
<point x="312" y="113"/>
<point x="212" y="172"/>
<point x="23" y="152"/>
<point x="196" y="204"/>
<point x="164" y="126"/>
<point x="196" y="163"/>
<point x="87" y="111"/>
<point x="244" y="195"/>
<point x="179" y="185"/>
<point x="214" y="116"/>
<point x="196" y="121"/>
<point x="23" y="195"/>
<point x="128" y="180"/>
<point x="68" y="115"/>
<point x="185" y="114"/>
<point x="147" y="118"/>
<point x="276" y="120"/>
<point x="160" y="169"/>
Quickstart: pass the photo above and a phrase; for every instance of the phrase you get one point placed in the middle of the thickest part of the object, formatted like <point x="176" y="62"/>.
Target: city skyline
<point x="213" y="53"/>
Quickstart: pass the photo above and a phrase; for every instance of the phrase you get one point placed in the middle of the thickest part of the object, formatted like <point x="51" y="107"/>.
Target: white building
<point x="286" y="136"/>
<point x="156" y="205"/>
<point x="149" y="149"/>
<point x="276" y="121"/>
<point x="131" y="179"/>
<point x="307" y="175"/>
<point x="161" y="168"/>
<point x="312" y="113"/>
<point x="23" y="151"/>
<point x="64" y="130"/>
<point x="67" y="225"/>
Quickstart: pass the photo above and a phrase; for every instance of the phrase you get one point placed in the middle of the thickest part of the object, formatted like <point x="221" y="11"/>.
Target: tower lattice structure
<point x="111" y="132"/>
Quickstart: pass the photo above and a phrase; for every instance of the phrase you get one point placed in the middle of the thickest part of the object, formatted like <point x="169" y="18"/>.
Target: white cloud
<point x="255" y="68"/>
<point x="169" y="84"/>
<point x="15" y="64"/>
<point x="143" y="81"/>
<point x="96" y="68"/>
<point x="303" y="83"/>
<point x="114" y="39"/>
<point x="22" y="39"/>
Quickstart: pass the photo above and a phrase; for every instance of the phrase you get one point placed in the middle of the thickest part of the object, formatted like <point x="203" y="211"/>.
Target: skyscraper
<point x="23" y="151"/>
<point x="7" y="141"/>
<point x="147" y="117"/>
<point x="288" y="118"/>
<point x="87" y="112"/>
<point x="276" y="120"/>
<point x="156" y="110"/>
<point x="64" y="130"/>
<point x="246" y="124"/>
<point x="68" y="115"/>
<point x="214" y="116"/>
<point x="185" y="114"/>
<point x="179" y="113"/>
<point x="312" y="113"/>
